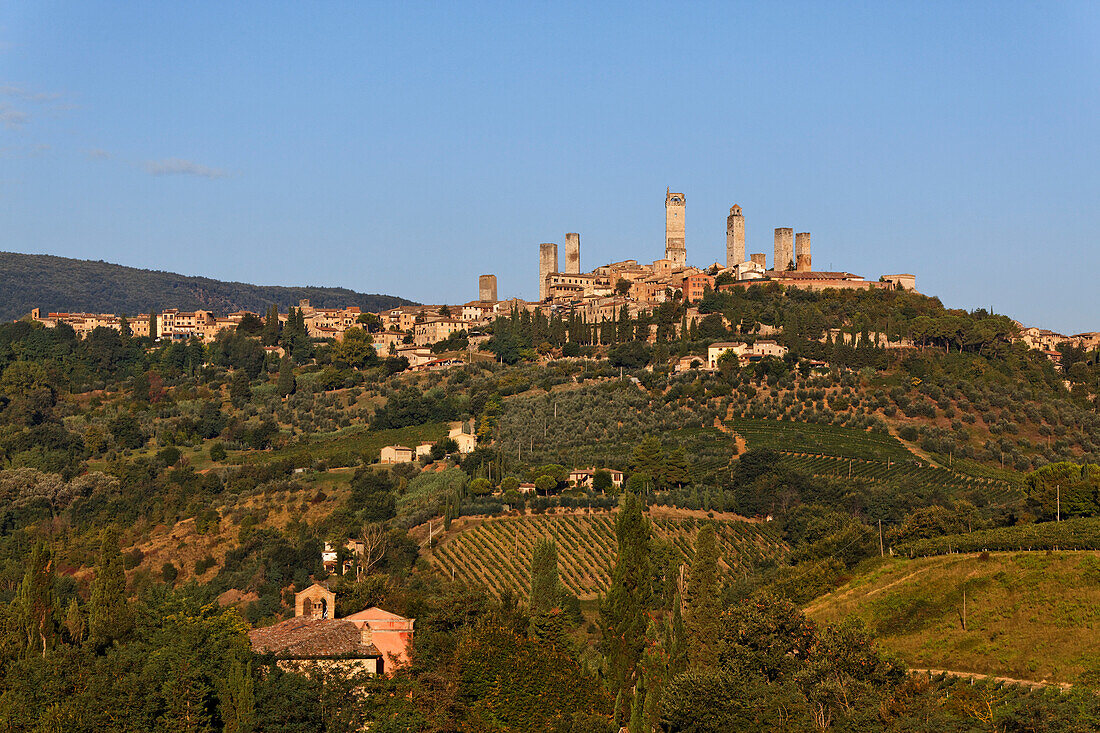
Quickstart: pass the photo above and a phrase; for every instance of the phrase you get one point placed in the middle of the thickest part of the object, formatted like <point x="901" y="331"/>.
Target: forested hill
<point x="63" y="284"/>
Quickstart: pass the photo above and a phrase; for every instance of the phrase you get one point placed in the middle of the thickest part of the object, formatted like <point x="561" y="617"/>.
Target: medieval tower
<point x="735" y="237"/>
<point x="572" y="253"/>
<point x="548" y="264"/>
<point x="675" y="249"/>
<point x="784" y="249"/>
<point x="802" y="262"/>
<point x="487" y="288"/>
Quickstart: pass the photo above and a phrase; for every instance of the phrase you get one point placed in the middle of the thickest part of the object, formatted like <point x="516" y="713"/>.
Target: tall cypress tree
<point x="544" y="577"/>
<point x="109" y="616"/>
<point x="704" y="605"/>
<point x="623" y="610"/>
<point x="35" y="600"/>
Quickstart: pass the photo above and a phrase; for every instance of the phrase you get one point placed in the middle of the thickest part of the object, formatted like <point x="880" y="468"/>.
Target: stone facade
<point x="784" y="249"/>
<point x="487" y="288"/>
<point x="735" y="237"/>
<point x="675" y="243"/>
<point x="548" y="264"/>
<point x="802" y="260"/>
<point x="573" y="253"/>
<point x="761" y="259"/>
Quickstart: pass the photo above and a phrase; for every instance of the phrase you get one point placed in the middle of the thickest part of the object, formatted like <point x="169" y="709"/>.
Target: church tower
<point x="675" y="249"/>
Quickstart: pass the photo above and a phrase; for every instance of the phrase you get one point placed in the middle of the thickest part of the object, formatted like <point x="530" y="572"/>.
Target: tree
<point x="623" y="610"/>
<point x="240" y="390"/>
<point x="354" y="350"/>
<point x="374" y="541"/>
<point x="238" y="699"/>
<point x="269" y="336"/>
<point x="601" y="481"/>
<point x="124" y="328"/>
<point x="622" y="286"/>
<point x="286" y="385"/>
<point x="109" y="614"/>
<point x="35" y="600"/>
<point x="217" y="452"/>
<point x="545" y="591"/>
<point x="372" y="322"/>
<point x="250" y="325"/>
<point x="545" y="484"/>
<point x="703" y="600"/>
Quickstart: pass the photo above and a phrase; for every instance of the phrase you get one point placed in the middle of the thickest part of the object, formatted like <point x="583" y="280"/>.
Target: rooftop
<point x="308" y="638"/>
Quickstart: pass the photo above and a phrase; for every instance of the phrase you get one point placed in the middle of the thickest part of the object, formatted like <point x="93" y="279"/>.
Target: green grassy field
<point x="1029" y="615"/>
<point x="497" y="553"/>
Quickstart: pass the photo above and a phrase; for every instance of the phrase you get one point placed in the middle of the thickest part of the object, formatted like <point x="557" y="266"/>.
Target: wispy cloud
<point x="97" y="154"/>
<point x="181" y="167"/>
<point x="11" y="118"/>
<point x="19" y="92"/>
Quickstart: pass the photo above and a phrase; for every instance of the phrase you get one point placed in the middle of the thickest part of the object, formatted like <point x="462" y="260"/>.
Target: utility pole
<point x="881" y="551"/>
<point x="1059" y="489"/>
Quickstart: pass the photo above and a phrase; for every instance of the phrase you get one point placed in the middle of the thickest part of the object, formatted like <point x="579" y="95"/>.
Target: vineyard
<point x="1072" y="534"/>
<point x="497" y="553"/>
<point x="829" y="440"/>
<point x="900" y="472"/>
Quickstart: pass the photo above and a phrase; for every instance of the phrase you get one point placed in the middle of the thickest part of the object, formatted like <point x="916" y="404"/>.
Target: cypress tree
<point x="109" y="616"/>
<point x="545" y="593"/>
<point x="623" y="617"/>
<point x="286" y="385"/>
<point x="35" y="600"/>
<point x="704" y="605"/>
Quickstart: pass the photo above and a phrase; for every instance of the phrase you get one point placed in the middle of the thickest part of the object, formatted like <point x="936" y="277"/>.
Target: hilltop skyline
<point x="409" y="149"/>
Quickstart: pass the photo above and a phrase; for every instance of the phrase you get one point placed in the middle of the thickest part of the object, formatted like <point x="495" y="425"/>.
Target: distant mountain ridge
<point x="63" y="284"/>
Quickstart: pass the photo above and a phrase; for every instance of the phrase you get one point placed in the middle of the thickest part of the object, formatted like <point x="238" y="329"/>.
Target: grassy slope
<point x="497" y="552"/>
<point x="64" y="284"/>
<point x="1029" y="615"/>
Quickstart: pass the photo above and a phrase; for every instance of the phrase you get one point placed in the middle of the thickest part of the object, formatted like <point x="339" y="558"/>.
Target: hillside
<point x="496" y="553"/>
<point x="63" y="284"/>
<point x="1028" y="615"/>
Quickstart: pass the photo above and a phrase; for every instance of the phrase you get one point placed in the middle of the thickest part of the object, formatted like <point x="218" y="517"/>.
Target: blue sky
<point x="406" y="147"/>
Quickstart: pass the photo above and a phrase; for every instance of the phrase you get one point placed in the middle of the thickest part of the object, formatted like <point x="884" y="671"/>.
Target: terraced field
<point x="830" y="440"/>
<point x="832" y="450"/>
<point x="497" y="552"/>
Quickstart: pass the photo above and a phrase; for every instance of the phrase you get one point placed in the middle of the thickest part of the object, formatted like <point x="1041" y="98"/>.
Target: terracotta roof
<point x="308" y="638"/>
<point x="375" y="614"/>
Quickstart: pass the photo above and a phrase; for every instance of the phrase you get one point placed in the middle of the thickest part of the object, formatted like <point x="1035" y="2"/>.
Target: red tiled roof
<point x="308" y="638"/>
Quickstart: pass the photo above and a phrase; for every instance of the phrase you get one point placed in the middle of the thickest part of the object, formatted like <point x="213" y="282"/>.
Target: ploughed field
<point x="496" y="553"/>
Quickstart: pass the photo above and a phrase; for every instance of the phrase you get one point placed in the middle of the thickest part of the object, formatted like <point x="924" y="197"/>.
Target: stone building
<point x="735" y="237"/>
<point x="784" y="249"/>
<point x="573" y="253"/>
<point x="675" y="244"/>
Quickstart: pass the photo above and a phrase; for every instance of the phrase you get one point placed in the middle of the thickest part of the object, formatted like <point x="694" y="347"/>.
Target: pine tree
<point x="109" y="615"/>
<point x="286" y="385"/>
<point x="623" y="610"/>
<point x="703" y="601"/>
<point x="35" y="600"/>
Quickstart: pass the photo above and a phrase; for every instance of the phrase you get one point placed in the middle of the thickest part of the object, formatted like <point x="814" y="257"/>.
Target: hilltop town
<point x="597" y="296"/>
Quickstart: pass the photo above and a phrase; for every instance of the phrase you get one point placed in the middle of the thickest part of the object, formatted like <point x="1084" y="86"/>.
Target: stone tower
<point x="548" y="263"/>
<point x="675" y="206"/>
<point x="784" y="249"/>
<point x="761" y="259"/>
<point x="802" y="260"/>
<point x="735" y="237"/>
<point x="572" y="253"/>
<point x="487" y="288"/>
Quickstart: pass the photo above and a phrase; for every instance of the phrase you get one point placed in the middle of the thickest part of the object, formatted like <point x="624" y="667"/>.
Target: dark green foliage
<point x="510" y="683"/>
<point x="623" y="609"/>
<point x="109" y="616"/>
<point x="702" y="598"/>
<point x="63" y="284"/>
<point x="410" y="407"/>
<point x="240" y="390"/>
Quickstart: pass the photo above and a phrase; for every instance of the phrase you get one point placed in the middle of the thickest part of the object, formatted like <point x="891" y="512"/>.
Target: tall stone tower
<point x="573" y="253"/>
<point x="735" y="237"/>
<point x="487" y="288"/>
<point x="548" y="263"/>
<point x="784" y="249"/>
<point x="675" y="206"/>
<point x="802" y="260"/>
